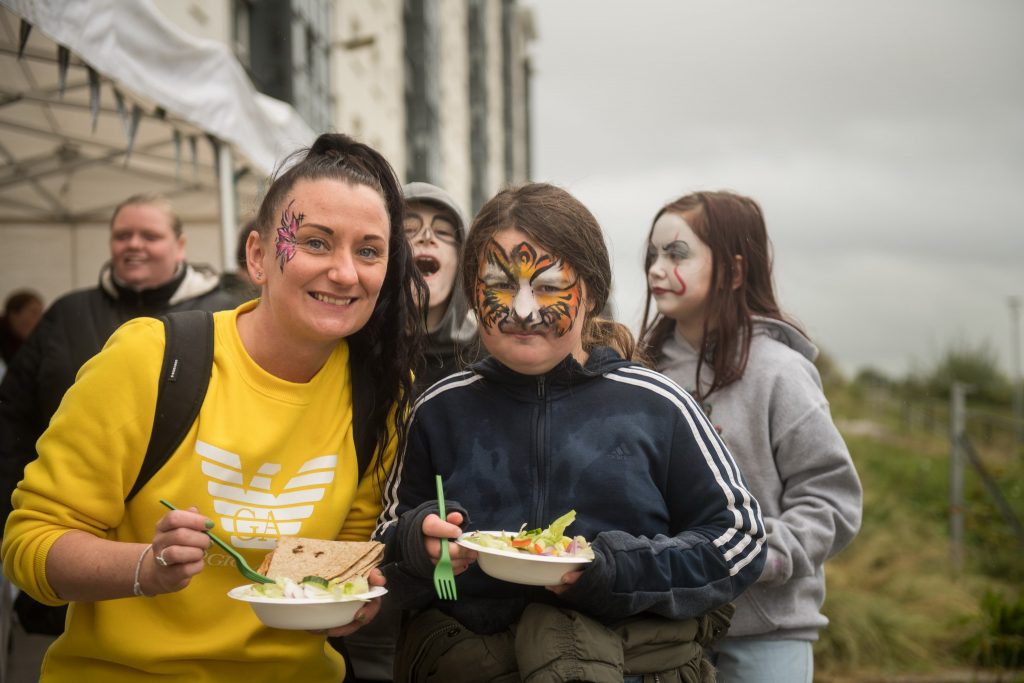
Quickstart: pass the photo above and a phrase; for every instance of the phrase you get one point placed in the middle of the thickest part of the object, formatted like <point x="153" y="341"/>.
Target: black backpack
<point x="184" y="379"/>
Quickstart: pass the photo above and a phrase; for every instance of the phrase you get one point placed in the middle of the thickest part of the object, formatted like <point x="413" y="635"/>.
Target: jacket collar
<point x="568" y="372"/>
<point x="156" y="296"/>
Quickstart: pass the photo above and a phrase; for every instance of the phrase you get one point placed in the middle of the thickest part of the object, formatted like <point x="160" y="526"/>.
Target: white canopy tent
<point x="101" y="99"/>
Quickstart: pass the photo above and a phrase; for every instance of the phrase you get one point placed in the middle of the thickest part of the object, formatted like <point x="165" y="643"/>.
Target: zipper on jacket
<point x="540" y="481"/>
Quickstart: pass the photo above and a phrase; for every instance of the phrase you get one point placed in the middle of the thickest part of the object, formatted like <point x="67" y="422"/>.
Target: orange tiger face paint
<point x="525" y="290"/>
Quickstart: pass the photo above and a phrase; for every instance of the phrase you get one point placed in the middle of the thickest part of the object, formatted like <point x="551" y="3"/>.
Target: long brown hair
<point x="558" y="221"/>
<point x="731" y="225"/>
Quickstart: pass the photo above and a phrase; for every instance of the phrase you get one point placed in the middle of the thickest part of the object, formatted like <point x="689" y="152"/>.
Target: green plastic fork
<point x="444" y="577"/>
<point x="240" y="564"/>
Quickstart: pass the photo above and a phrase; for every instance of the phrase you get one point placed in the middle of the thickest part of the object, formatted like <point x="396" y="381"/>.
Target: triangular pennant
<point x="193" y="145"/>
<point x="121" y="110"/>
<point x="23" y="33"/>
<point x="94" y="96"/>
<point x="215" y="148"/>
<point x="63" y="59"/>
<point x="177" y="154"/>
<point x="133" y="128"/>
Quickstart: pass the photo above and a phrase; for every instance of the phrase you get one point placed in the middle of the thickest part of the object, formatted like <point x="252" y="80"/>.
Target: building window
<point x="479" y="152"/>
<point x="508" y="100"/>
<point x="421" y="26"/>
<point x="289" y="53"/>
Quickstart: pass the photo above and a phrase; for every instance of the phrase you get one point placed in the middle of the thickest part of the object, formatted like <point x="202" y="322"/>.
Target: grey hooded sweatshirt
<point x="777" y="425"/>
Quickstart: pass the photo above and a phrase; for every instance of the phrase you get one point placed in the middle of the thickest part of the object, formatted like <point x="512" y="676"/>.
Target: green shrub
<point x="894" y="602"/>
<point x="998" y="641"/>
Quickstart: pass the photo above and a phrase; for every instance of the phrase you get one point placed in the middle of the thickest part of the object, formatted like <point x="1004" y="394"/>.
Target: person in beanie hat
<point x="436" y="228"/>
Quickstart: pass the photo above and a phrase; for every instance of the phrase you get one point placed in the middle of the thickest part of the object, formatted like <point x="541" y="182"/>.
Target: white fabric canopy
<point x="144" y="107"/>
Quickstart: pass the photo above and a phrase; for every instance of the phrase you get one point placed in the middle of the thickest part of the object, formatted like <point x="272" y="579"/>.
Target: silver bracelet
<point x="137" y="587"/>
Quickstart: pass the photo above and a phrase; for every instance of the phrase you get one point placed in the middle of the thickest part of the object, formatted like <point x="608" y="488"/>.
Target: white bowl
<point x="306" y="614"/>
<point x="522" y="568"/>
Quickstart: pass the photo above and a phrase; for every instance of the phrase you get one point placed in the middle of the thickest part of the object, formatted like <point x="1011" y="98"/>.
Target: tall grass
<point x="894" y="602"/>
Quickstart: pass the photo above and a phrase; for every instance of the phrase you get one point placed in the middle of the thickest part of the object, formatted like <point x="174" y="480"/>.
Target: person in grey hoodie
<point x="436" y="228"/>
<point x="720" y="334"/>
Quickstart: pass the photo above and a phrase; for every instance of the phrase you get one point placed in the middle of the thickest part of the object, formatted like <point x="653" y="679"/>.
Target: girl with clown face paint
<point x="718" y="331"/>
<point x="562" y="416"/>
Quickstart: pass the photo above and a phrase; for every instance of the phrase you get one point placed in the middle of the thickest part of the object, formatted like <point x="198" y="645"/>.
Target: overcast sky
<point x="884" y="141"/>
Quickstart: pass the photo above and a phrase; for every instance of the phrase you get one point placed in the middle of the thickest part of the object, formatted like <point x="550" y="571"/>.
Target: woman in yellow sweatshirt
<point x="271" y="454"/>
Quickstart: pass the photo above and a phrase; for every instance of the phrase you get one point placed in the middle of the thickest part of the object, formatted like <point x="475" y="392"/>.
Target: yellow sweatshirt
<point x="265" y="458"/>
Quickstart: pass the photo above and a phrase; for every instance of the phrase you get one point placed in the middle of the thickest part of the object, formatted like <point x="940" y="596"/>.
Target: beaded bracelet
<point x="137" y="587"/>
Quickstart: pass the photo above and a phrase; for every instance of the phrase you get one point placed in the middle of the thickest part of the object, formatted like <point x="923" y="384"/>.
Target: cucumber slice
<point x="316" y="581"/>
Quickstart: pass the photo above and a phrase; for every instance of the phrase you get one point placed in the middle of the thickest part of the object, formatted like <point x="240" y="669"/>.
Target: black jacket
<point x="71" y="331"/>
<point x="674" y="529"/>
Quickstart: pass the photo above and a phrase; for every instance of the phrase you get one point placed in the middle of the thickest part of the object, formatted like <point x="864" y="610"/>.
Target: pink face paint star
<point x="286" y="235"/>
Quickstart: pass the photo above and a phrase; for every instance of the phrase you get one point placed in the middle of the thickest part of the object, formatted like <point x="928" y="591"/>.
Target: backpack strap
<point x="362" y="408"/>
<point x="184" y="378"/>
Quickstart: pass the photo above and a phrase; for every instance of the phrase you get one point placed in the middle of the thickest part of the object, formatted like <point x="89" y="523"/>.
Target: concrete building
<point x="441" y="87"/>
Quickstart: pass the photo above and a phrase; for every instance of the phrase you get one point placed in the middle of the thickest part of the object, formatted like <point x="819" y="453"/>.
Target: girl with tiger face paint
<point x="527" y="289"/>
<point x="528" y="303"/>
<point x="562" y="416"/>
<point x="536" y="268"/>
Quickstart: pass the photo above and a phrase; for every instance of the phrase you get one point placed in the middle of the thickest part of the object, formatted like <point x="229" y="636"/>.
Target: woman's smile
<point x="333" y="300"/>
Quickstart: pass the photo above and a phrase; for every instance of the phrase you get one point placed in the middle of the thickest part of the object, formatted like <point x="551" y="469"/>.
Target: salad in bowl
<point x="535" y="557"/>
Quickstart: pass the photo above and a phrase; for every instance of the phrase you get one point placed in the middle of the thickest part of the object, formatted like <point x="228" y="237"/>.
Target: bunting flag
<point x="121" y="111"/>
<point x="63" y="59"/>
<point x="177" y="154"/>
<point x="193" y="145"/>
<point x="215" y="148"/>
<point x="133" y="127"/>
<point x="94" y="96"/>
<point x="130" y="122"/>
<point x="23" y="32"/>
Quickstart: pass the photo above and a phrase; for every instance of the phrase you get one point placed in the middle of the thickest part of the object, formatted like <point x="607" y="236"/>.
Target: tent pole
<point x="228" y="212"/>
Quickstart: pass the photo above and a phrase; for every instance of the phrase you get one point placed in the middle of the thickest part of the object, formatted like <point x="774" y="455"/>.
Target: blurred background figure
<point x="436" y="228"/>
<point x="22" y="310"/>
<point x="147" y="275"/>
<point x="239" y="283"/>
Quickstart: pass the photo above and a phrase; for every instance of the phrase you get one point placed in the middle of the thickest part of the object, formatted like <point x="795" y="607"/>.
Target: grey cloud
<point x="885" y="141"/>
